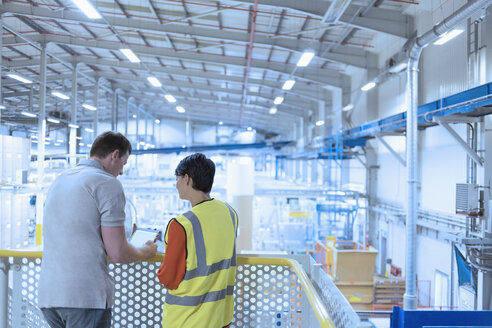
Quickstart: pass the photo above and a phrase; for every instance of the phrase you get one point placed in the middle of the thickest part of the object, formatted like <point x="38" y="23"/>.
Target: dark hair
<point x="200" y="169"/>
<point x="108" y="142"/>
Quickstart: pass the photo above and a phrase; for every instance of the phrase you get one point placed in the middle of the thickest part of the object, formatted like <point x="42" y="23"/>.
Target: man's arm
<point x="120" y="251"/>
<point x="173" y="268"/>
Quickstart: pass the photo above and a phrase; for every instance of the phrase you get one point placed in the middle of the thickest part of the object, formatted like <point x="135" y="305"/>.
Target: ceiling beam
<point x="350" y="56"/>
<point x="314" y="75"/>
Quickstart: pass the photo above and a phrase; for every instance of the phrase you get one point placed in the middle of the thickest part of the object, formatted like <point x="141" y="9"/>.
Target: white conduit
<point x="417" y="44"/>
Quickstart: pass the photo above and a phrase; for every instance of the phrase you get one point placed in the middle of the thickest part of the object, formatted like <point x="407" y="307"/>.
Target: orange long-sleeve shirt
<point x="173" y="268"/>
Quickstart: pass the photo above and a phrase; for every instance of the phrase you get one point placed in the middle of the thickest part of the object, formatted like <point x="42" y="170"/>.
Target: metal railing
<point x="269" y="292"/>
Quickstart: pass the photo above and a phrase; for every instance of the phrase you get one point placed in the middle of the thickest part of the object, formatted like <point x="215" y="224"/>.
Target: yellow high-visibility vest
<point x="205" y="296"/>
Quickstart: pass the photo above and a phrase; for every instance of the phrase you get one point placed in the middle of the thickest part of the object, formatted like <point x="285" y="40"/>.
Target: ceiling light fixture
<point x="368" y="86"/>
<point x="89" y="130"/>
<point x="320" y="123"/>
<point x="130" y="55"/>
<point x="2" y="106"/>
<point x="52" y="120"/>
<point x="170" y="98"/>
<point x="448" y="36"/>
<point x="278" y="100"/>
<point x="348" y="107"/>
<point x="154" y="81"/>
<point x="180" y="109"/>
<point x="249" y="128"/>
<point x="89" y="107"/>
<point x="73" y="126"/>
<point x="19" y="78"/>
<point x="87" y="8"/>
<point x="28" y="114"/>
<point x="157" y="121"/>
<point x="220" y="122"/>
<point x="305" y="58"/>
<point x="134" y="116"/>
<point x="288" y="84"/>
<point x="60" y="95"/>
<point x="273" y="110"/>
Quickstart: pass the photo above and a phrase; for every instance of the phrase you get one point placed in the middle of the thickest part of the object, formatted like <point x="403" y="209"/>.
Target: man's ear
<point x="189" y="182"/>
<point x="115" y="154"/>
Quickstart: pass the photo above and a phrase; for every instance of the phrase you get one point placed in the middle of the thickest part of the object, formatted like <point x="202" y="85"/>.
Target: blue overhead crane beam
<point x="192" y="149"/>
<point x="467" y="103"/>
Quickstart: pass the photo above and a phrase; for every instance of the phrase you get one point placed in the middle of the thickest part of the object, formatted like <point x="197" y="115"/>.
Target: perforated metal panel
<point x="268" y="296"/>
<point x="265" y="296"/>
<point x="139" y="296"/>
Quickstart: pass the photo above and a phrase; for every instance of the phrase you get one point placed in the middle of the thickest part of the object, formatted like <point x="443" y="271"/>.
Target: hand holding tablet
<point x="140" y="236"/>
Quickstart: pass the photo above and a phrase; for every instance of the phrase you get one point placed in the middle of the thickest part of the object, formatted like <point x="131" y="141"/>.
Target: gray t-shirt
<point x="74" y="270"/>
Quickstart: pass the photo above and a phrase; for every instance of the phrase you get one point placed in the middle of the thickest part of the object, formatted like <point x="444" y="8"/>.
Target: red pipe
<point x="248" y="65"/>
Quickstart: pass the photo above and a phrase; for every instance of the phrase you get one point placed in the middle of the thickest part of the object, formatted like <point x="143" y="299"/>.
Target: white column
<point x="41" y="146"/>
<point x="240" y="191"/>
<point x="96" y="104"/>
<point x="73" y="120"/>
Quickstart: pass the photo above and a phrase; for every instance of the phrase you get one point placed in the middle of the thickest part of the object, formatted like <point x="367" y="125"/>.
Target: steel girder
<point x="299" y="90"/>
<point x="386" y="21"/>
<point x="349" y="56"/>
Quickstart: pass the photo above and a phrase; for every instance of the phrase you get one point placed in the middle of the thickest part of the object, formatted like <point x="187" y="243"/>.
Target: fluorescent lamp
<point x="134" y="116"/>
<point x="320" y="123"/>
<point x="220" y="122"/>
<point x="89" y="107"/>
<point x="59" y="140"/>
<point x="28" y="114"/>
<point x="305" y="58"/>
<point x="89" y="130"/>
<point x="141" y="143"/>
<point x="52" y="120"/>
<point x="60" y="95"/>
<point x="34" y="141"/>
<point x="74" y="126"/>
<point x="78" y="138"/>
<point x="170" y="98"/>
<point x="398" y="68"/>
<point x="47" y="138"/>
<point x="154" y="81"/>
<point x="81" y="144"/>
<point x="278" y="100"/>
<point x="448" y="36"/>
<point x="368" y="86"/>
<point x="273" y="110"/>
<point x="249" y="128"/>
<point x="89" y="145"/>
<point x="56" y="144"/>
<point x="2" y="106"/>
<point x="87" y="8"/>
<point x="157" y="121"/>
<point x="19" y="78"/>
<point x="348" y="107"/>
<point x="180" y="109"/>
<point x="130" y="55"/>
<point x="288" y="84"/>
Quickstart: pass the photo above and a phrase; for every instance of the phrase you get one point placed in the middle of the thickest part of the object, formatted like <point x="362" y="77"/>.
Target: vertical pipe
<point x="96" y="104"/>
<point x="113" y="110"/>
<point x="41" y="145"/>
<point x="410" y="296"/>
<point x="146" y="127"/>
<point x="73" y="119"/>
<point x="126" y="116"/>
<point x="137" y="124"/>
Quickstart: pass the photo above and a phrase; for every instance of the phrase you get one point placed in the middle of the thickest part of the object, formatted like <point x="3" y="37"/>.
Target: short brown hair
<point x="109" y="141"/>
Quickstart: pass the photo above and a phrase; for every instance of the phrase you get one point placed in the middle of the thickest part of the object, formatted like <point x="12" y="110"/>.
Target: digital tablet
<point x="141" y="236"/>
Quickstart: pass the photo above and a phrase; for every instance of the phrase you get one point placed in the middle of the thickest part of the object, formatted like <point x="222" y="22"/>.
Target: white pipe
<point x="415" y="49"/>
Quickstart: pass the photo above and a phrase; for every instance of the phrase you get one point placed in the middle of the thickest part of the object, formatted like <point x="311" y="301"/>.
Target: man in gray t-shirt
<point x="84" y="224"/>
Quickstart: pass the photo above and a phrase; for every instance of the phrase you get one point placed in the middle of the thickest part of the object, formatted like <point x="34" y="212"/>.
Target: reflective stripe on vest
<point x="197" y="300"/>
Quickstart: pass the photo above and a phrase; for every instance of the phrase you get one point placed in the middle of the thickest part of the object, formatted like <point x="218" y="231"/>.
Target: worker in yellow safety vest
<point x="199" y="267"/>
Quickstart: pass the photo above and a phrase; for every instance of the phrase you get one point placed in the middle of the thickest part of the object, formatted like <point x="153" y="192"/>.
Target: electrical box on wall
<point x="467" y="201"/>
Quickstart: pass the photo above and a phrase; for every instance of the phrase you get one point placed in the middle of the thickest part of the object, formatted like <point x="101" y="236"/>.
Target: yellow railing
<point x="315" y="301"/>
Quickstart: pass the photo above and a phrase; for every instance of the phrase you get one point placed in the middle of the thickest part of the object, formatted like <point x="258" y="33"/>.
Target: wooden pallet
<point x="388" y="290"/>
